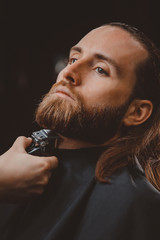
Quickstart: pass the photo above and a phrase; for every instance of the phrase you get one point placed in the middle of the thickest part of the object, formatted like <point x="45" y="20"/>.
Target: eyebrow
<point x="101" y="57"/>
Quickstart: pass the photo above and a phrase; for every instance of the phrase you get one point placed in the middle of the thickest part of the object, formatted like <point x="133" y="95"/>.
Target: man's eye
<point x="72" y="60"/>
<point x="101" y="71"/>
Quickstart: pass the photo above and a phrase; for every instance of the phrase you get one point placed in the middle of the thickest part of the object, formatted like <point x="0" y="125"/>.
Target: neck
<point x="68" y="143"/>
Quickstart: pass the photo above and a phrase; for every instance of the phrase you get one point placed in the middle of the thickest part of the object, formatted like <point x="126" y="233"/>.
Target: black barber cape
<point x="75" y="206"/>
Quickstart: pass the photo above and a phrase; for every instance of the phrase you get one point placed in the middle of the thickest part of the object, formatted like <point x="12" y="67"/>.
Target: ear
<point x="138" y="112"/>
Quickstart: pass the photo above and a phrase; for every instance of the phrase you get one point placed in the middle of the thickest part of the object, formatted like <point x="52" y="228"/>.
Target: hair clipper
<point x="43" y="142"/>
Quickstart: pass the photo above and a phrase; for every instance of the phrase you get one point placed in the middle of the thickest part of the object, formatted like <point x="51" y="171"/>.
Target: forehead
<point x="115" y="42"/>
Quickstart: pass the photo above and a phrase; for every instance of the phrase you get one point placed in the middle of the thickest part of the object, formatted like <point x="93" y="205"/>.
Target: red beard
<point x="73" y="119"/>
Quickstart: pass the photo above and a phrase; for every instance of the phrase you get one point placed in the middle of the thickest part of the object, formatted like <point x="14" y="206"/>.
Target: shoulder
<point x="132" y="203"/>
<point x="132" y="179"/>
<point x="128" y="189"/>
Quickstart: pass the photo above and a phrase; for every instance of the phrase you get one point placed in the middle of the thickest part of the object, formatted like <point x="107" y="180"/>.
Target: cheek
<point x="102" y="95"/>
<point x="118" y="97"/>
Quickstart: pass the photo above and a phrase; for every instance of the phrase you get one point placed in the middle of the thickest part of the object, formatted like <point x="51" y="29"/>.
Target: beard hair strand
<point x="95" y="125"/>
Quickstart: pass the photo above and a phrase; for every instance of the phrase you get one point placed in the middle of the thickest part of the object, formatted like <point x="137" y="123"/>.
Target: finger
<point x="22" y="143"/>
<point x="49" y="175"/>
<point x="51" y="163"/>
<point x="36" y="190"/>
<point x="43" y="181"/>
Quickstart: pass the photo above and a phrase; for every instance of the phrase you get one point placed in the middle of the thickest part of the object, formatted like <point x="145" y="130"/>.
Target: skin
<point x="23" y="176"/>
<point x="105" y="82"/>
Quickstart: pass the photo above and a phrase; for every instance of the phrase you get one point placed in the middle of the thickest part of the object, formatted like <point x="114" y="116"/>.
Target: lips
<point x="64" y="91"/>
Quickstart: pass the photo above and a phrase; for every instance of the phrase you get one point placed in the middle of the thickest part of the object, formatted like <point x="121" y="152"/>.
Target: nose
<point x="72" y="73"/>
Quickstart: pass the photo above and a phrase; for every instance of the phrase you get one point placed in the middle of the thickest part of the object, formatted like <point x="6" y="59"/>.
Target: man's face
<point x="91" y="95"/>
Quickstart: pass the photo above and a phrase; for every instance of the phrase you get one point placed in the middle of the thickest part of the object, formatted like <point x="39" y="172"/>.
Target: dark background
<point x="33" y="34"/>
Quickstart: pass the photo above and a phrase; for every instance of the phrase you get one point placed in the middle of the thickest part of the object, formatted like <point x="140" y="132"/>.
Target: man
<point x="105" y="109"/>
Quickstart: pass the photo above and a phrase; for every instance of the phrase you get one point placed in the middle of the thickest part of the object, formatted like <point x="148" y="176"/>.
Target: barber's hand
<point x="22" y="175"/>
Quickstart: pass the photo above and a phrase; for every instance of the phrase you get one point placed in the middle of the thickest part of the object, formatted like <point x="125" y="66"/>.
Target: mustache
<point x="68" y="86"/>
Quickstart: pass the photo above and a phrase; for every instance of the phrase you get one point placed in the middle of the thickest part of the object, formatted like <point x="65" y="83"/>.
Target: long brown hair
<point x="142" y="141"/>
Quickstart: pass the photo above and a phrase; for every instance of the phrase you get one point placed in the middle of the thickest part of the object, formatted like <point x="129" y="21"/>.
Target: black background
<point x="32" y="33"/>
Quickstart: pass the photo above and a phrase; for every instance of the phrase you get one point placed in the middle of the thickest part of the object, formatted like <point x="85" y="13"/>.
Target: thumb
<point x="22" y="143"/>
<point x="52" y="162"/>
